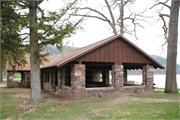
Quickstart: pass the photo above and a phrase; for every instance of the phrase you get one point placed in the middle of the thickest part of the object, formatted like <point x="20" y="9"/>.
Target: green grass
<point x="158" y="91"/>
<point x="7" y="102"/>
<point x="17" y="75"/>
<point x="95" y="109"/>
<point x="141" y="111"/>
<point x="164" y="88"/>
<point x="157" y="95"/>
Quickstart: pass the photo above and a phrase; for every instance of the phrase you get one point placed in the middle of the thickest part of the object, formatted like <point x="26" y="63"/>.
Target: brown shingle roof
<point x="62" y="60"/>
<point x="27" y="66"/>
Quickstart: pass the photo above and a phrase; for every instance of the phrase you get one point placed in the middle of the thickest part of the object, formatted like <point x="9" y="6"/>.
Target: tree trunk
<point x="171" y="84"/>
<point x="36" y="96"/>
<point x="1" y="78"/>
<point x="121" y="7"/>
<point x="113" y="25"/>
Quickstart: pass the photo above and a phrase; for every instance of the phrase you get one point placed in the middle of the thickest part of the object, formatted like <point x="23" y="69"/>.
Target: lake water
<point x="159" y="80"/>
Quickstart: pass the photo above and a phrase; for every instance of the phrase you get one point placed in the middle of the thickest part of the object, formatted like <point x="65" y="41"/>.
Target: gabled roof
<point x="27" y="66"/>
<point x="62" y="60"/>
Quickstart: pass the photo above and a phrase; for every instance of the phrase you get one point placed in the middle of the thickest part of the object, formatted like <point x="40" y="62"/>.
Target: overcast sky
<point x="150" y="38"/>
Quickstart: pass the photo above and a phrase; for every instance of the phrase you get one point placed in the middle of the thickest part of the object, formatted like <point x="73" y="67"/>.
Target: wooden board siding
<point x="117" y="51"/>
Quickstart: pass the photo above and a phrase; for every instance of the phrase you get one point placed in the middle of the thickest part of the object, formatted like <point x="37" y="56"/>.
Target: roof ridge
<point x="74" y="55"/>
<point x="90" y="47"/>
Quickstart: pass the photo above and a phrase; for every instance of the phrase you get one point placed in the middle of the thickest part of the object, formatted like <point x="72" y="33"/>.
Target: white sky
<point x="150" y="38"/>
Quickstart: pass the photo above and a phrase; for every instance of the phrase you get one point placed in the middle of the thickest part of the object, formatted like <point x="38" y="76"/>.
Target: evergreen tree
<point x="45" y="30"/>
<point x="12" y="51"/>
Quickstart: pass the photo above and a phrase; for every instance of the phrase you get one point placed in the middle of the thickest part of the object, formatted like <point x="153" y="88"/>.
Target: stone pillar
<point x="50" y="88"/>
<point x="63" y="76"/>
<point x="96" y="76"/>
<point x="58" y="79"/>
<point x="10" y="79"/>
<point x="27" y="79"/>
<point x="149" y="77"/>
<point x="107" y="77"/>
<point x="118" y="76"/>
<point x="104" y="77"/>
<point x="144" y="80"/>
<point x="53" y="72"/>
<point x="78" y="81"/>
<point x="22" y="78"/>
<point x="44" y="78"/>
<point x="125" y="76"/>
<point x="112" y="74"/>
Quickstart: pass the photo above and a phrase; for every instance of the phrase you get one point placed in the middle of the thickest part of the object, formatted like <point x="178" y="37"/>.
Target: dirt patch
<point x="122" y="98"/>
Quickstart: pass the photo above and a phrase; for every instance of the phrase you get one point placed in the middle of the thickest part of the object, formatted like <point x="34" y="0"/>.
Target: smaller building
<point x="85" y="72"/>
<point x="24" y="71"/>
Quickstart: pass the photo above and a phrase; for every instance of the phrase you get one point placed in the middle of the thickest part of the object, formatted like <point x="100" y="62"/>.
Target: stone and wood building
<point x="86" y="72"/>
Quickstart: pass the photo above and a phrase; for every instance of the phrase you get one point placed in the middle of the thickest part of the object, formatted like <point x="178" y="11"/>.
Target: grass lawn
<point x="94" y="109"/>
<point x="163" y="88"/>
<point x="157" y="95"/>
<point x="17" y="75"/>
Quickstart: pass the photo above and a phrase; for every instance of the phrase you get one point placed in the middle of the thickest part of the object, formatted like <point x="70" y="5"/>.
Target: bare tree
<point x="116" y="23"/>
<point x="170" y="35"/>
<point x="171" y="84"/>
<point x="162" y="16"/>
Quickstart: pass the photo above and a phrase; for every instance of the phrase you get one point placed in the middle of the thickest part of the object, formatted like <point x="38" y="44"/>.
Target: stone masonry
<point x="50" y="87"/>
<point x="27" y="79"/>
<point x="144" y="75"/>
<point x="10" y="79"/>
<point x="149" y="77"/>
<point x="78" y="81"/>
<point x="125" y="76"/>
<point x="107" y="77"/>
<point x="58" y="78"/>
<point x="96" y="76"/>
<point x="118" y="76"/>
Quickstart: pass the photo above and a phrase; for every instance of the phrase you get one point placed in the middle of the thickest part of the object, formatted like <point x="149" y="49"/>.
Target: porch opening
<point x="68" y="76"/>
<point x="97" y="75"/>
<point x="133" y="77"/>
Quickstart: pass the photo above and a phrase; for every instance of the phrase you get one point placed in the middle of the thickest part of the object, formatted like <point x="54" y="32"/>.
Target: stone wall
<point x="46" y="86"/>
<point x="107" y="77"/>
<point x="78" y="80"/>
<point x="133" y="89"/>
<point x="10" y="79"/>
<point x="98" y="92"/>
<point x="149" y="78"/>
<point x="79" y="91"/>
<point x="125" y="76"/>
<point x="27" y="79"/>
<point x="50" y="80"/>
<point x="66" y="91"/>
<point x="118" y="76"/>
<point x="96" y="76"/>
<point x="144" y="80"/>
<point x="130" y="82"/>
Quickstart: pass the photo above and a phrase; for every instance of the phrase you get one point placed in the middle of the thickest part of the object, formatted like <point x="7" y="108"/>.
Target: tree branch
<point x="95" y="12"/>
<point x="39" y="2"/>
<point x="60" y="16"/>
<point x="25" y="3"/>
<point x="164" y="15"/>
<point x="165" y="28"/>
<point x="112" y="17"/>
<point x="162" y="3"/>
<point x="91" y="16"/>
